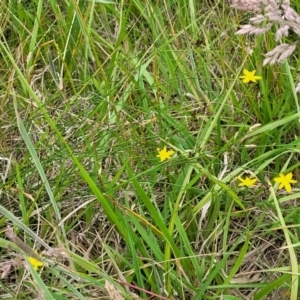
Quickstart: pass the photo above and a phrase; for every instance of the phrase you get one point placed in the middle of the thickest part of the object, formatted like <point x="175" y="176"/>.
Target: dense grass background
<point x="89" y="91"/>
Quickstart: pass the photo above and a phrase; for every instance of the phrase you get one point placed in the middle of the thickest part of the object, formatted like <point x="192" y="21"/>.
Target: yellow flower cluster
<point x="284" y="181"/>
<point x="249" y="76"/>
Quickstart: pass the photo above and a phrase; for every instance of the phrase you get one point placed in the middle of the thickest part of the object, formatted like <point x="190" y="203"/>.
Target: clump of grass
<point x="138" y="160"/>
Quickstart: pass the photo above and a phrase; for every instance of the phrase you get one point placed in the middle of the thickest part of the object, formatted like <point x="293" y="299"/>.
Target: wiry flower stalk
<point x="269" y="13"/>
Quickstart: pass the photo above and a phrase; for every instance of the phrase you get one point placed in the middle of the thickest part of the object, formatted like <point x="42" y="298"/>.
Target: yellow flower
<point x="249" y="76"/>
<point x="247" y="181"/>
<point x="34" y="262"/>
<point x="163" y="154"/>
<point x="285" y="181"/>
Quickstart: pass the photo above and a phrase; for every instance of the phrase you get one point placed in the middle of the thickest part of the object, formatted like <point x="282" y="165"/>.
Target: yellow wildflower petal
<point x="288" y="187"/>
<point x="279" y="179"/>
<point x="289" y="176"/>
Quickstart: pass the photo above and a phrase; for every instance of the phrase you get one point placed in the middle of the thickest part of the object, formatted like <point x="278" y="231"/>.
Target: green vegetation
<point x="90" y="90"/>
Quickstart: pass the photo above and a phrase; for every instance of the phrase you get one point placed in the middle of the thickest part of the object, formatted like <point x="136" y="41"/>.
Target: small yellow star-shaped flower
<point x="247" y="181"/>
<point x="249" y="76"/>
<point x="34" y="262"/>
<point x="285" y="181"/>
<point x="163" y="154"/>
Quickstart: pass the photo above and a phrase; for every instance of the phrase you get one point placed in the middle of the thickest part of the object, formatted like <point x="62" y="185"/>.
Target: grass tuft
<point x="90" y="91"/>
